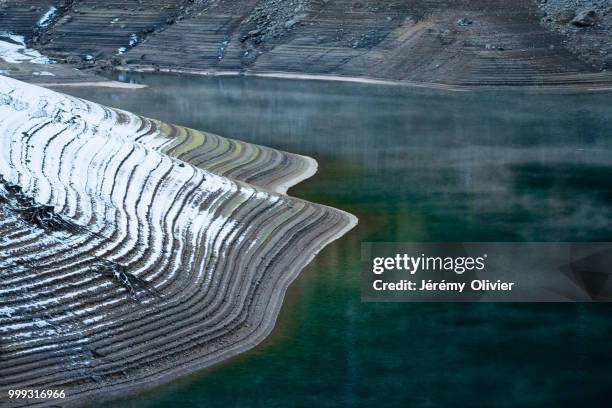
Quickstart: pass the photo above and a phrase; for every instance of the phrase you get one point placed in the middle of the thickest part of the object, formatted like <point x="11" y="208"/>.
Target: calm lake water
<point x="413" y="165"/>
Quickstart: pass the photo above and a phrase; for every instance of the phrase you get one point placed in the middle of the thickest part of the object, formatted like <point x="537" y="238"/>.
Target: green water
<point x="413" y="165"/>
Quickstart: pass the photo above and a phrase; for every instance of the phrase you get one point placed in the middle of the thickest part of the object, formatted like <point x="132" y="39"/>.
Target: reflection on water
<point x="413" y="165"/>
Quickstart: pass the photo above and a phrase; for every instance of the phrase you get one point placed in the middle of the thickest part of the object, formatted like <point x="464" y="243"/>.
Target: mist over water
<point x="413" y="165"/>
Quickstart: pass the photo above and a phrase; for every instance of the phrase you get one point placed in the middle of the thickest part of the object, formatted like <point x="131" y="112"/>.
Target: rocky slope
<point x="476" y="42"/>
<point x="587" y="26"/>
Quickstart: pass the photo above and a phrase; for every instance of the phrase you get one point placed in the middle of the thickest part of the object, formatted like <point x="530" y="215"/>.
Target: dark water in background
<point x="413" y="165"/>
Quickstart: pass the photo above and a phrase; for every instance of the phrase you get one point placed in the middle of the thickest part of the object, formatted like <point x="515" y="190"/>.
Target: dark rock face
<point x="585" y="18"/>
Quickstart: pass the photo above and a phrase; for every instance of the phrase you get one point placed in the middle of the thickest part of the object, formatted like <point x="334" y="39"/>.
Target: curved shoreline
<point x="221" y="274"/>
<point x="561" y="87"/>
<point x="98" y="84"/>
<point x="192" y="367"/>
<point x="310" y="170"/>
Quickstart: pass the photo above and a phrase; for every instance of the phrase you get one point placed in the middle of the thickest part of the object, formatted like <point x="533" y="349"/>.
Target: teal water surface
<point x="413" y="165"/>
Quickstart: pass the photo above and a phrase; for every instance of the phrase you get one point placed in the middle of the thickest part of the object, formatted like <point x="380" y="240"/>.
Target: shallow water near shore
<point x="413" y="165"/>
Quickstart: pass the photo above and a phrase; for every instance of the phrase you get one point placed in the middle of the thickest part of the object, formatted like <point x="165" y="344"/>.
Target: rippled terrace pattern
<point x="132" y="251"/>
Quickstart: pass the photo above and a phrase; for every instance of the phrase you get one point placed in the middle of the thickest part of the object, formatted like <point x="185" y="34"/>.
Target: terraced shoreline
<point x="133" y="251"/>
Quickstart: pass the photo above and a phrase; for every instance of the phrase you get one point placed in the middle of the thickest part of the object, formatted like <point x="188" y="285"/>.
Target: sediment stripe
<point x="258" y="165"/>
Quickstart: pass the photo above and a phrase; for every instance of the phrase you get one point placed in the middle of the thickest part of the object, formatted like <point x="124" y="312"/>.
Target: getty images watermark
<point x="495" y="272"/>
<point x="422" y="263"/>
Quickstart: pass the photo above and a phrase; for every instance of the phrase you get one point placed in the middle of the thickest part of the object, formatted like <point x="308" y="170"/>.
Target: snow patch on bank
<point x="47" y="18"/>
<point x="7" y="311"/>
<point x="13" y="50"/>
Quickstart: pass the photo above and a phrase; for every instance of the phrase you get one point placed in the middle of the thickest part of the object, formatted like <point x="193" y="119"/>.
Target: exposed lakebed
<point x="413" y="165"/>
<point x="128" y="256"/>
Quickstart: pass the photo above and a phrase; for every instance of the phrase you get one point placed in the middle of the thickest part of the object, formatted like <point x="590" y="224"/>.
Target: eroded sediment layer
<point x="258" y="165"/>
<point x="122" y="267"/>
